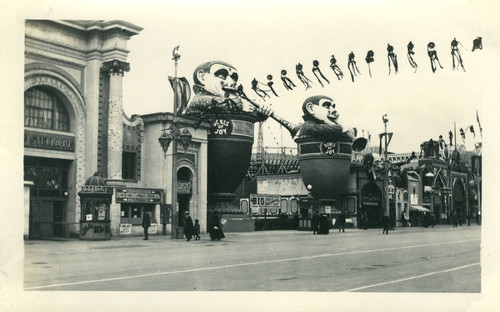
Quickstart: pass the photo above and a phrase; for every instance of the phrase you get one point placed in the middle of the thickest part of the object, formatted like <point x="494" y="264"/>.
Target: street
<point x="436" y="260"/>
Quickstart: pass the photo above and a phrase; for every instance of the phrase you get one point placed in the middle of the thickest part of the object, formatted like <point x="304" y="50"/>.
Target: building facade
<point x="75" y="126"/>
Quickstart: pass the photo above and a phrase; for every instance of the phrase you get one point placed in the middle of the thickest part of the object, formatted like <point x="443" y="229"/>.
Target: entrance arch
<point x="371" y="204"/>
<point x="459" y="200"/>
<point x="185" y="189"/>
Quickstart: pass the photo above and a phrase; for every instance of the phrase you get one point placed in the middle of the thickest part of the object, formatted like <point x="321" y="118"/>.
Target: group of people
<point x="320" y="224"/>
<point x="191" y="229"/>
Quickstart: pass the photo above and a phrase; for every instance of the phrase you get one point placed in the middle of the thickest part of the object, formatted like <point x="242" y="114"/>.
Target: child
<point x="196" y="230"/>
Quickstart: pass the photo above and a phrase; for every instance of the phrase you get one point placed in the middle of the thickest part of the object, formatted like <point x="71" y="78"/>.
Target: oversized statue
<point x="230" y="139"/>
<point x="325" y="148"/>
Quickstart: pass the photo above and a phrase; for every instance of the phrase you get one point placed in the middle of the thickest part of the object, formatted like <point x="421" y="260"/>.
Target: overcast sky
<point x="263" y="38"/>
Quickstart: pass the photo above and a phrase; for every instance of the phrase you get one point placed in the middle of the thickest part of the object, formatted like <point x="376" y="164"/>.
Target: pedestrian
<point x="455" y="219"/>
<point x="324" y="225"/>
<point x="342" y="222"/>
<point x="146" y="223"/>
<point x="433" y="219"/>
<point x="215" y="226"/>
<point x="364" y="221"/>
<point x="385" y="223"/>
<point x="403" y="219"/>
<point x="196" y="230"/>
<point x="188" y="226"/>
<point x="315" y="222"/>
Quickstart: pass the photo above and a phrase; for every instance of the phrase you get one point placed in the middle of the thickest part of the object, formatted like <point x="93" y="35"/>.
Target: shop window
<point x="133" y="213"/>
<point x="129" y="165"/>
<point x="284" y="204"/>
<point x="43" y="109"/>
<point x="95" y="210"/>
<point x="294" y="205"/>
<point x="49" y="176"/>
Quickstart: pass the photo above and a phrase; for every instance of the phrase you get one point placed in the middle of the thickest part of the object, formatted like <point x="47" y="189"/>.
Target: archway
<point x="459" y="203"/>
<point x="184" y="192"/>
<point x="371" y="204"/>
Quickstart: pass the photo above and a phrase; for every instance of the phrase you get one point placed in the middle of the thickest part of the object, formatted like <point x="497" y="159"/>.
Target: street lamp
<point x="173" y="134"/>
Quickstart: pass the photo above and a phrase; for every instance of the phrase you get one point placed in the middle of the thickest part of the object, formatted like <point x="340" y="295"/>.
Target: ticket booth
<point x="95" y="199"/>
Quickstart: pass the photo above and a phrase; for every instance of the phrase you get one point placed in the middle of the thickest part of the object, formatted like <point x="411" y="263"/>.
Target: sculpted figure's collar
<point x="199" y="89"/>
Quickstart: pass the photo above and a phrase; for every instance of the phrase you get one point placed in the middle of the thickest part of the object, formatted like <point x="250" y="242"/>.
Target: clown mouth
<point x="333" y="117"/>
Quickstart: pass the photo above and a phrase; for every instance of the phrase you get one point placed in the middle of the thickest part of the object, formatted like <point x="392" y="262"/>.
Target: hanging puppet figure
<point x="462" y="134"/>
<point x="455" y="54"/>
<point x="450" y="134"/>
<point x="369" y="59"/>
<point x="410" y="54"/>
<point x="336" y="68"/>
<point x="270" y="84"/>
<point x="433" y="56"/>
<point x="392" y="57"/>
<point x="302" y="77"/>
<point x="317" y="71"/>
<point x="255" y="86"/>
<point x="477" y="44"/>
<point x="287" y="82"/>
<point x="351" y="64"/>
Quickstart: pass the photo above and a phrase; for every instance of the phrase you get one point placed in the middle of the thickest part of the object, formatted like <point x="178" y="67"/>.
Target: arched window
<point x="44" y="110"/>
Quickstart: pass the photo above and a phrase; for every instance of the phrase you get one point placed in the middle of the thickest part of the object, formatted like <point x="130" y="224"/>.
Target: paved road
<point x="437" y="260"/>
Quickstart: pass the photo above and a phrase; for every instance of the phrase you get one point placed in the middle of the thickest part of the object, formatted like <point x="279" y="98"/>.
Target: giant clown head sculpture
<point x="320" y="108"/>
<point x="214" y="76"/>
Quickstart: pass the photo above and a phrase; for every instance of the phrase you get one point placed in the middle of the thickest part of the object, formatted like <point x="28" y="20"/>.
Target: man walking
<point x="385" y="223"/>
<point x="342" y="222"/>
<point x="146" y="223"/>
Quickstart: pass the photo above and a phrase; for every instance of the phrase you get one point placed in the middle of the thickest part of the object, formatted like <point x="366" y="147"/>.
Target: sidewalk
<point x="137" y="241"/>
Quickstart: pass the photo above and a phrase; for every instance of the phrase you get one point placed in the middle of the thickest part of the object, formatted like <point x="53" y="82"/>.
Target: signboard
<point x="125" y="229"/>
<point x="184" y="187"/>
<point x="130" y="195"/>
<point x="264" y="201"/>
<point x="49" y="141"/>
<point x="153" y="229"/>
<point x="94" y="189"/>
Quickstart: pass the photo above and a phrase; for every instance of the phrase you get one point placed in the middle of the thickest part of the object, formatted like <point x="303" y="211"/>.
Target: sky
<point x="261" y="38"/>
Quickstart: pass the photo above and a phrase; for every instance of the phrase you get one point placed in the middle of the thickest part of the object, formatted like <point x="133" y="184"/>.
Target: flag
<point x="479" y="124"/>
<point x="389" y="137"/>
<point x="183" y="93"/>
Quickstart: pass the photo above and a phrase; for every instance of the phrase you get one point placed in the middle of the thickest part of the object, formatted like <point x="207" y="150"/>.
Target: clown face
<point x="218" y="77"/>
<point x="323" y="109"/>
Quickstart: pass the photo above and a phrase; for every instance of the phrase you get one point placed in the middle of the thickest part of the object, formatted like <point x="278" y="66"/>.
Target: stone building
<point x="75" y="126"/>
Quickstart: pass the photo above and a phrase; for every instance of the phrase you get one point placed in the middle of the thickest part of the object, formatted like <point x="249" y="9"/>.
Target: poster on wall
<point x="125" y="229"/>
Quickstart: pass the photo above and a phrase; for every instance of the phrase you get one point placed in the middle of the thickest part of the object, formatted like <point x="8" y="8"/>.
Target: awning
<point x="419" y="208"/>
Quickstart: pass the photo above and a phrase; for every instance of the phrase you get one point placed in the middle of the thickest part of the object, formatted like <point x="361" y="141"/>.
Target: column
<point x="115" y="117"/>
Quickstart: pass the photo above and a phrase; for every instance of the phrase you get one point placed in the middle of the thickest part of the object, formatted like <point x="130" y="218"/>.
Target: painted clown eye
<point x="234" y="76"/>
<point x="221" y="73"/>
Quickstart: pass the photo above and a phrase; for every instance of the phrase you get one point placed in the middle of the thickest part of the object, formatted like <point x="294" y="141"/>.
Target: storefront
<point x="134" y="203"/>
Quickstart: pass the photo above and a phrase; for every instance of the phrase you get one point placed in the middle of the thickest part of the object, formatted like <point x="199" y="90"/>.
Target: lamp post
<point x="386" y="174"/>
<point x="173" y="134"/>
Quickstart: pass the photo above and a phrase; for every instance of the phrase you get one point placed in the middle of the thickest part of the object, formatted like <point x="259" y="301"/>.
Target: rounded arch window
<point x="44" y="109"/>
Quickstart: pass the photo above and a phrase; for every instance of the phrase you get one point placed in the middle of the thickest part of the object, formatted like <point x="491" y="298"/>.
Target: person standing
<point x="196" y="230"/>
<point x="403" y="219"/>
<point x="188" y="226"/>
<point x="146" y="223"/>
<point x="385" y="223"/>
<point x="315" y="222"/>
<point x="364" y="220"/>
<point x="342" y="222"/>
<point x="324" y="225"/>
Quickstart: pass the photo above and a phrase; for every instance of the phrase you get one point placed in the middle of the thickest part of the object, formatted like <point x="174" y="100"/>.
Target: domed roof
<point x="96" y="179"/>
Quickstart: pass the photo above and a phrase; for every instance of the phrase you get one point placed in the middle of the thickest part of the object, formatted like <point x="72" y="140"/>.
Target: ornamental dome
<point x="96" y="179"/>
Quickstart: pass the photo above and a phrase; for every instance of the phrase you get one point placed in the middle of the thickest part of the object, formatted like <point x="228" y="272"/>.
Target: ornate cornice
<point x="115" y="67"/>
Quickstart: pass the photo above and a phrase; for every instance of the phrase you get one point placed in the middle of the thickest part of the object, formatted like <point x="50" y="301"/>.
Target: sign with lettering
<point x="131" y="195"/>
<point x="153" y="229"/>
<point x="184" y="187"/>
<point x="222" y="126"/>
<point x="328" y="148"/>
<point x="51" y="141"/>
<point x="125" y="229"/>
<point x="264" y="201"/>
<point x="94" y="189"/>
